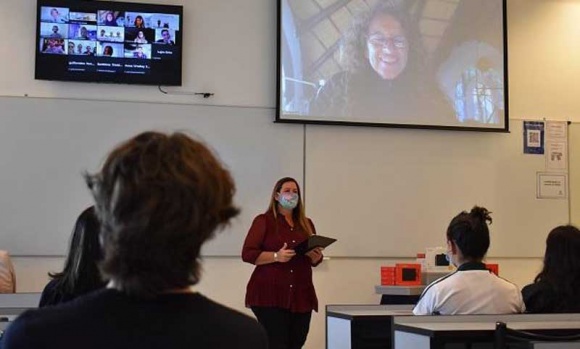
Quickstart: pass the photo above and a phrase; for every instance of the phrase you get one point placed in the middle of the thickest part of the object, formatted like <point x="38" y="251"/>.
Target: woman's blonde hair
<point x="298" y="214"/>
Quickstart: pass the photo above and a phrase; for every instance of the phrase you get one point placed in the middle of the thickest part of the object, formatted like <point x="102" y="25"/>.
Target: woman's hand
<point x="284" y="254"/>
<point x="315" y="255"/>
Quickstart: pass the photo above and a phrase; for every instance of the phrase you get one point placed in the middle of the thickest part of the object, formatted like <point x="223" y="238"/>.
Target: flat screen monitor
<point x="115" y="42"/>
<point x="397" y="63"/>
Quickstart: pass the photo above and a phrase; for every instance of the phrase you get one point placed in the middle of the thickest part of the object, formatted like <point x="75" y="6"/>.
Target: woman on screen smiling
<point x="384" y="80"/>
<point x="280" y="292"/>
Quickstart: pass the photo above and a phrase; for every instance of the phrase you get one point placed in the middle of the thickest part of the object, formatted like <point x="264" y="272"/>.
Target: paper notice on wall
<point x="556" y="149"/>
<point x="557" y="131"/>
<point x="552" y="185"/>
<point x="556" y="156"/>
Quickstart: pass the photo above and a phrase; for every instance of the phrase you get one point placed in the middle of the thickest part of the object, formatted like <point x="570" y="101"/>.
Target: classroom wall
<point x="544" y="76"/>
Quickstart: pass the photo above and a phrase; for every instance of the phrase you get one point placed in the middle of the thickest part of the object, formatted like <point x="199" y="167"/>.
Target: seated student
<point x="556" y="289"/>
<point x="81" y="273"/>
<point x="159" y="198"/>
<point x="472" y="289"/>
<point x="7" y="276"/>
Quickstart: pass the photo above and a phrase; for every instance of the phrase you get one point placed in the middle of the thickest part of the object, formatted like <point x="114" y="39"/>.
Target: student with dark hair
<point x="472" y="289"/>
<point x="81" y="273"/>
<point x="159" y="197"/>
<point x="557" y="286"/>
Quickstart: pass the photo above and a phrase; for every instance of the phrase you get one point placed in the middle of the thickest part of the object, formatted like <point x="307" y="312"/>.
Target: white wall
<point x="544" y="69"/>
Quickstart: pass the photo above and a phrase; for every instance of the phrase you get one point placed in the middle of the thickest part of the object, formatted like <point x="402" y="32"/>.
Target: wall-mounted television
<point x="109" y="41"/>
<point x="396" y="63"/>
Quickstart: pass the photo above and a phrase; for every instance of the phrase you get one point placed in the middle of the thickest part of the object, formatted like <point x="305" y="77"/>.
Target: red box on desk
<point x="387" y="276"/>
<point x="408" y="274"/>
<point x="494" y="268"/>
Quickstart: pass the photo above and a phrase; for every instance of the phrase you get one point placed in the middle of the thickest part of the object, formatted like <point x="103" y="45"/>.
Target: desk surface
<point x="483" y="325"/>
<point x="19" y="300"/>
<point x="490" y="326"/>
<point x="358" y="311"/>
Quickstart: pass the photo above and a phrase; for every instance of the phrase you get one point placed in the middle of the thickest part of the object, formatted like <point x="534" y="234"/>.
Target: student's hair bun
<point x="481" y="213"/>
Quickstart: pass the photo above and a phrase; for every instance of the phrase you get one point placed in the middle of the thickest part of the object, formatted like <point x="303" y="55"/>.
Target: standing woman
<point x="280" y="291"/>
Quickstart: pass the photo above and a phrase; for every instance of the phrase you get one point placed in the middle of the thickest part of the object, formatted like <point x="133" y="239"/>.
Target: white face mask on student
<point x="449" y="258"/>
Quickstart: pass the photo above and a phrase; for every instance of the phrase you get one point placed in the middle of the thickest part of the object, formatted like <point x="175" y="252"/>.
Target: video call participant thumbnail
<point x="53" y="30"/>
<point x="54" y="14"/>
<point x="52" y="46"/>
<point x="137" y="51"/>
<point x="165" y="37"/>
<point x="109" y="18"/>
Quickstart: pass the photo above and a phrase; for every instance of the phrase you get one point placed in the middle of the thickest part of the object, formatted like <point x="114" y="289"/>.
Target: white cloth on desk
<point x="7" y="276"/>
<point x="470" y="292"/>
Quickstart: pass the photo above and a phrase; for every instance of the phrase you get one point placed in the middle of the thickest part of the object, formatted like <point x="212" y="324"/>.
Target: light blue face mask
<point x="288" y="200"/>
<point x="448" y="257"/>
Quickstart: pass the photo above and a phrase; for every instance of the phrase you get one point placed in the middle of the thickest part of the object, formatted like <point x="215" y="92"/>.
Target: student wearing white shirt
<point x="472" y="289"/>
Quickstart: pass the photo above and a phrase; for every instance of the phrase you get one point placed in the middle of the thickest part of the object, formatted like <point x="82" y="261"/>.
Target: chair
<point x="503" y="334"/>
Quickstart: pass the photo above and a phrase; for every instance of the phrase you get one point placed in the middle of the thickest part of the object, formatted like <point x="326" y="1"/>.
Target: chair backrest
<point x="503" y="334"/>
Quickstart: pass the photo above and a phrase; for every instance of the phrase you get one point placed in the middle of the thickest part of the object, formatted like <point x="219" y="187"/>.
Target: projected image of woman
<point x="384" y="77"/>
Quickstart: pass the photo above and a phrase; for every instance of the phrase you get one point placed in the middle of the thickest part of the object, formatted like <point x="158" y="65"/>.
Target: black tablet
<point x="313" y="242"/>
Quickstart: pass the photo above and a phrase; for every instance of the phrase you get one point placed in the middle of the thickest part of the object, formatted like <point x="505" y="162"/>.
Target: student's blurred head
<point x="469" y="233"/>
<point x="109" y="17"/>
<point x="562" y="257"/>
<point x="165" y="34"/>
<point x="54" y="13"/>
<point x="83" y="31"/>
<point x="71" y="46"/>
<point x="54" y="28"/>
<point x="159" y="198"/>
